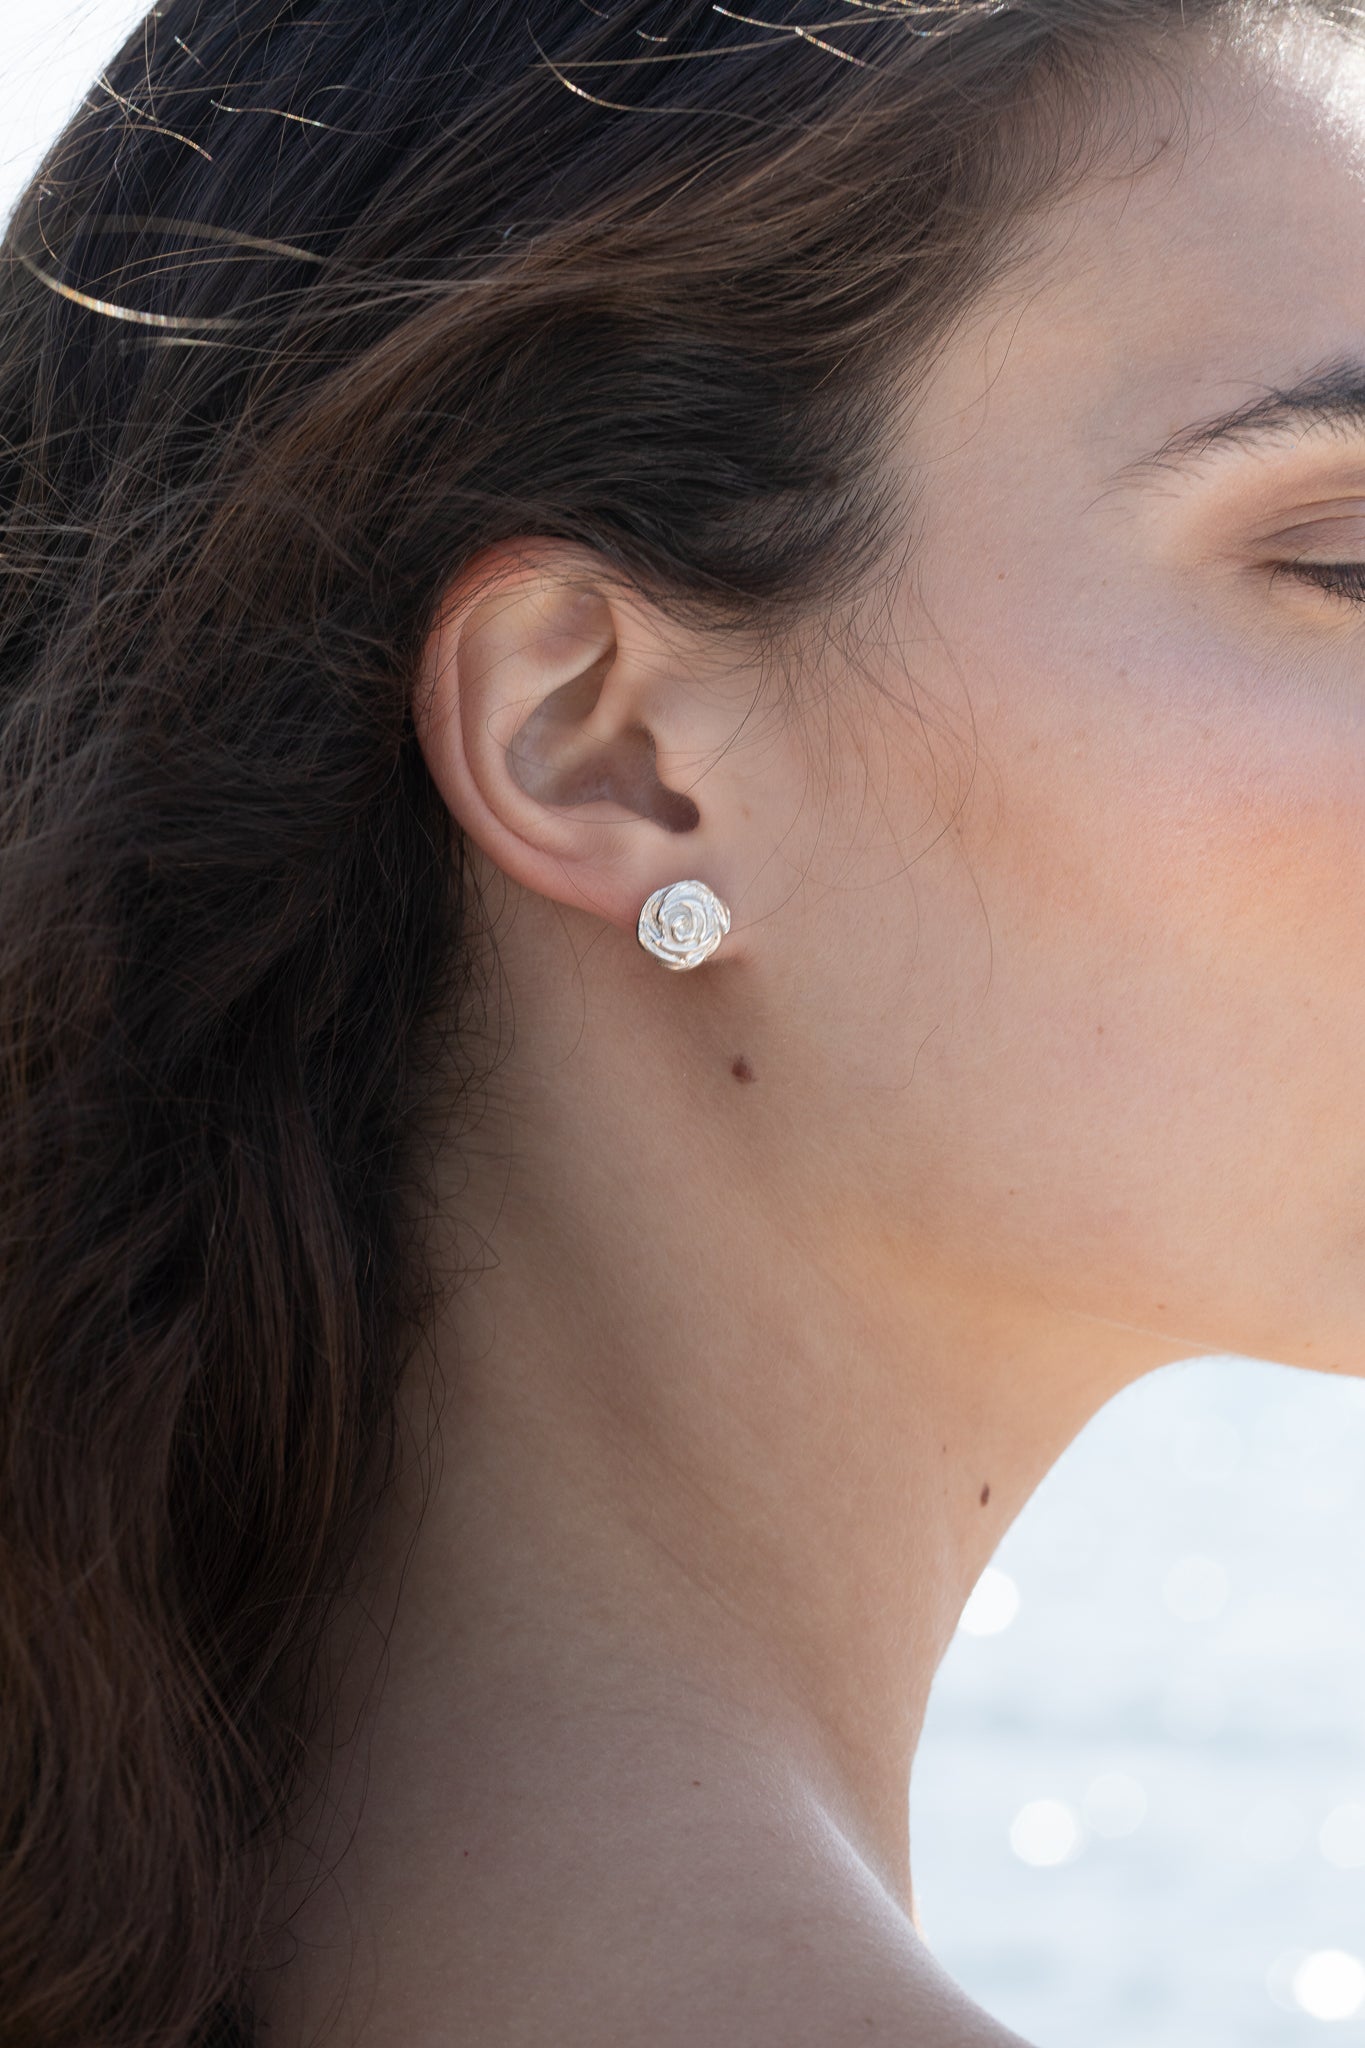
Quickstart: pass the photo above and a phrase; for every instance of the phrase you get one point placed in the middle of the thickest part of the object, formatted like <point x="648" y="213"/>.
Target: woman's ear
<point x="568" y="729"/>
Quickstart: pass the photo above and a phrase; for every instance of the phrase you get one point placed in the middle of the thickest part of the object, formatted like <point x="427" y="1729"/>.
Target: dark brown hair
<point x="305" y="307"/>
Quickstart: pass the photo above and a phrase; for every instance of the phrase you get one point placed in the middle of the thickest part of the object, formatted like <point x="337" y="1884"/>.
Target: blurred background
<point x="1138" y="1811"/>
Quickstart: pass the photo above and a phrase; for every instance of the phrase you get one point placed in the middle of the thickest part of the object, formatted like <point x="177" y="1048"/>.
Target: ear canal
<point x="553" y="762"/>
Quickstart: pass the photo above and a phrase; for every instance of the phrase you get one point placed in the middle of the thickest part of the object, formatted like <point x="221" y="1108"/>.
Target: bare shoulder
<point x="733" y="1923"/>
<point x="784" y="1961"/>
<point x="939" y="2014"/>
<point x="742" y="1980"/>
<point x="869" y="1977"/>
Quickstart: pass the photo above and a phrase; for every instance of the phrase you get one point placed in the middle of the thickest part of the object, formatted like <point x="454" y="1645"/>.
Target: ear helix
<point x="682" y="924"/>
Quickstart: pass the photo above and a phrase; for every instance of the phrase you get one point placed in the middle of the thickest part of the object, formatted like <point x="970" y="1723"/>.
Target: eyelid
<point x="1324" y="553"/>
<point x="1322" y="534"/>
<point x="1340" y="583"/>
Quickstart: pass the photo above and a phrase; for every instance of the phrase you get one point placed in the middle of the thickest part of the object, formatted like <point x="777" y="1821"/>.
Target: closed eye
<point x="1342" y="579"/>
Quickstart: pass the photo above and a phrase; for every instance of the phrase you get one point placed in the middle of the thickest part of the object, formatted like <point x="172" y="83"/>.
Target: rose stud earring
<point x="683" y="924"/>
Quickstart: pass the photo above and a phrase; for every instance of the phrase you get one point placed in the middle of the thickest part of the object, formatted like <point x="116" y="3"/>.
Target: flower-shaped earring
<point x="683" y="924"/>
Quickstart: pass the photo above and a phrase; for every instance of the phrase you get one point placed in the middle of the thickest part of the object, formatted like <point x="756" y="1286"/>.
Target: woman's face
<point x="1118" y="936"/>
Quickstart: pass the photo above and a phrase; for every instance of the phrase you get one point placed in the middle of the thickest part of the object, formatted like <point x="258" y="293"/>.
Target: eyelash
<point x="1342" y="579"/>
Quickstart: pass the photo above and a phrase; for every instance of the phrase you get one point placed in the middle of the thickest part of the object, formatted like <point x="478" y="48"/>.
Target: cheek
<point x="1154" y="1050"/>
<point x="1171" y="784"/>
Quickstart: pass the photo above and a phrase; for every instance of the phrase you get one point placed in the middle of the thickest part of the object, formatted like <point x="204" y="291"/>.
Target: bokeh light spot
<point x="1330" y="1984"/>
<point x="1045" y="1832"/>
<point x="1115" y="1804"/>
<point x="1341" y="1837"/>
<point x="992" y="1604"/>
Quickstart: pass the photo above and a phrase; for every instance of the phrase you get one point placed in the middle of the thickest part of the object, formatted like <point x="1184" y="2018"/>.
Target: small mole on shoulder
<point x="741" y="1069"/>
<point x="985" y="1495"/>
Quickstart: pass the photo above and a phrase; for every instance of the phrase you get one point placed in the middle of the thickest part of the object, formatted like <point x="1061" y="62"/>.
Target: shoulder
<point x="789" y="1958"/>
<point x="870" y="1977"/>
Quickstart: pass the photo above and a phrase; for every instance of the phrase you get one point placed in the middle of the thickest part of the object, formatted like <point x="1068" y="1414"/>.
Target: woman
<point x="684" y="770"/>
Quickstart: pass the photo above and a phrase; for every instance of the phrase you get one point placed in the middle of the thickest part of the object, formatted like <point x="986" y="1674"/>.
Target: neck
<point x="708" y="1454"/>
<point x="723" y="1447"/>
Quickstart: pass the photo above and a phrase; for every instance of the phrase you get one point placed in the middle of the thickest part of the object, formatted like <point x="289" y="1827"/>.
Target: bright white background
<point x="1139" y="1806"/>
<point x="50" y="54"/>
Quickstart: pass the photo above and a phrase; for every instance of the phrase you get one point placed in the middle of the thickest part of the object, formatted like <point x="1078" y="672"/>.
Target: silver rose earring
<point x="683" y="924"/>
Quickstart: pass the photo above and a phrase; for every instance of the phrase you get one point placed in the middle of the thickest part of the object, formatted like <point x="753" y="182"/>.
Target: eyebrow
<point x="1332" y="397"/>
